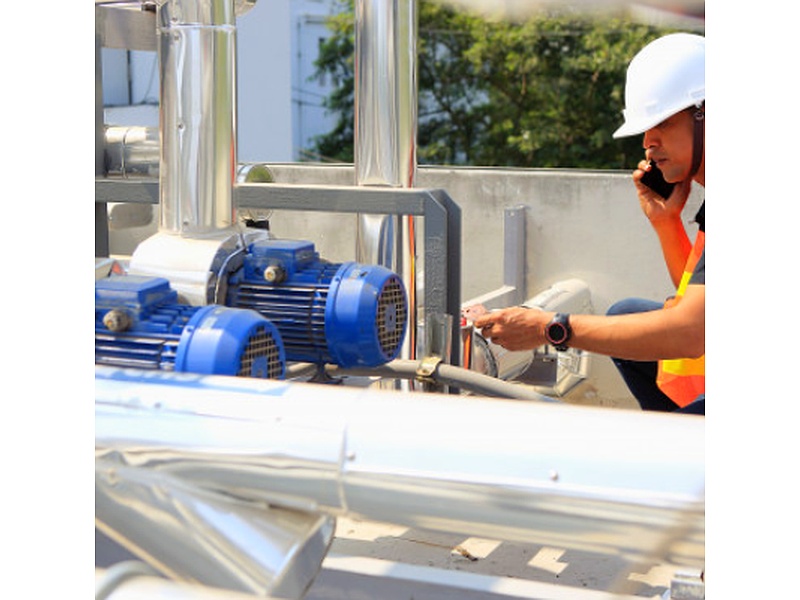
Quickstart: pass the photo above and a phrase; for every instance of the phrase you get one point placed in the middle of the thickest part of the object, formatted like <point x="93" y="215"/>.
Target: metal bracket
<point x="511" y="293"/>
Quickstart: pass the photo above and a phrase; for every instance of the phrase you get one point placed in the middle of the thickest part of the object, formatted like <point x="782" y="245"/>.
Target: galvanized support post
<point x="101" y="245"/>
<point x="513" y="290"/>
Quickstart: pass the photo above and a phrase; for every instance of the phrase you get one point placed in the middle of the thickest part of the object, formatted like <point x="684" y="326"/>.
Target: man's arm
<point x="675" y="332"/>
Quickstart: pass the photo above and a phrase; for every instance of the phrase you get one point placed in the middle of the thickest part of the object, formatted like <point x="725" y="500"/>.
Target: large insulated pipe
<point x="385" y="133"/>
<point x="131" y="580"/>
<point x="197" y="45"/>
<point x="577" y="477"/>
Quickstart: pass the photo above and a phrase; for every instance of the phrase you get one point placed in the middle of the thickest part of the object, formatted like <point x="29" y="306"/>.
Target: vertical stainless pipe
<point x="385" y="133"/>
<point x="386" y="92"/>
<point x="197" y="45"/>
<point x="101" y="242"/>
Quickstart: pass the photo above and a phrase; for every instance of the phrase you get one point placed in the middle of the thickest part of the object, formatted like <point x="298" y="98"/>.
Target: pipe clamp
<point x="427" y="367"/>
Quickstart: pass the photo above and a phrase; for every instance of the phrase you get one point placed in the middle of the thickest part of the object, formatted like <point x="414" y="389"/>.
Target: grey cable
<point x="446" y="374"/>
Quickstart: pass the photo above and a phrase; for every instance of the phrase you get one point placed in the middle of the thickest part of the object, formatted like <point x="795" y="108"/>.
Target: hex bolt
<point x="274" y="274"/>
<point x="117" y="320"/>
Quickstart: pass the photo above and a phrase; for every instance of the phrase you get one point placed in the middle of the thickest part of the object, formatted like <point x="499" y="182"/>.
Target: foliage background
<point x="544" y="92"/>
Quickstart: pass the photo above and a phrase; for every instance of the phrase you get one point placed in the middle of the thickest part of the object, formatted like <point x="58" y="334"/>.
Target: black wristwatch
<point x="558" y="332"/>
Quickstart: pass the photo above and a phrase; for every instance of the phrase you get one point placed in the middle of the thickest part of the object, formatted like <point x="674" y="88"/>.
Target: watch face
<point x="557" y="333"/>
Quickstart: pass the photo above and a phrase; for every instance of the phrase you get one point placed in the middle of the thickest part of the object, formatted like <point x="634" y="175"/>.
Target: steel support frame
<point x="129" y="27"/>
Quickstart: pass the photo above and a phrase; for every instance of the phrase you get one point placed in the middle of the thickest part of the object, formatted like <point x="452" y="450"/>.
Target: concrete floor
<point x="410" y="563"/>
<point x="378" y="561"/>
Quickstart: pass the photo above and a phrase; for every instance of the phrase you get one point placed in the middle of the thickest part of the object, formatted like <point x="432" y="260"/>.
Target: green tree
<point x="544" y="92"/>
<point x="336" y="59"/>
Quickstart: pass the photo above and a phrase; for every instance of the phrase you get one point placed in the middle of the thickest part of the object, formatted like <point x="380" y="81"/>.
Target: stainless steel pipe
<point x="124" y="581"/>
<point x="197" y="51"/>
<point x="596" y="479"/>
<point x="385" y="135"/>
<point x="132" y="151"/>
<point x="385" y="92"/>
<point x="193" y="535"/>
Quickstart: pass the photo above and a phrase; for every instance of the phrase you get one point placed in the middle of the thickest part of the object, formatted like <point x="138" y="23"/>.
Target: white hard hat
<point x="666" y="76"/>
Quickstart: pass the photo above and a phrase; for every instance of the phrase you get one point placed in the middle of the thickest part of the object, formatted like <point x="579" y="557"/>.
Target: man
<point x="661" y="348"/>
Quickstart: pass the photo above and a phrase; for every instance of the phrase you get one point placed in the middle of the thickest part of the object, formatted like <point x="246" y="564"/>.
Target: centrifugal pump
<point x="139" y="323"/>
<point x="347" y="314"/>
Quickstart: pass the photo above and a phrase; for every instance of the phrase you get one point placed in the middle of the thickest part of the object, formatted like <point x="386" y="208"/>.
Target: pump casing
<point x="346" y="314"/>
<point x="140" y="324"/>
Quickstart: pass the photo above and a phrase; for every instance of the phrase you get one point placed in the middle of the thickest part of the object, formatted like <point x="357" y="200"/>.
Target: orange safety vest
<point x="683" y="379"/>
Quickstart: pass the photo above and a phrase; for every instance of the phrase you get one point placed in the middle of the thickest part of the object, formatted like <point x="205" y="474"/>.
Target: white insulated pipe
<point x="197" y="52"/>
<point x="597" y="479"/>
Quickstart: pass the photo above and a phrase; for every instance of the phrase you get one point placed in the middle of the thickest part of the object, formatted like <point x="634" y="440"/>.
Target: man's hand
<point x="515" y="328"/>
<point x="656" y="208"/>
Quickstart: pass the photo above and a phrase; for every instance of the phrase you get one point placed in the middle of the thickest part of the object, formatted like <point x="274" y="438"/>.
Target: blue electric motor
<point x="345" y="314"/>
<point x="139" y="323"/>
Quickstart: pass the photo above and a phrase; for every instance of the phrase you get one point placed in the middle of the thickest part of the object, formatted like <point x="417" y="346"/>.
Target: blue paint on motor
<point x="139" y="323"/>
<point x="346" y="314"/>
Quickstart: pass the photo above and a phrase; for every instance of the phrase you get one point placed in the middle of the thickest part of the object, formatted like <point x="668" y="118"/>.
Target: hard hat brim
<point x="637" y="127"/>
<point x="626" y="131"/>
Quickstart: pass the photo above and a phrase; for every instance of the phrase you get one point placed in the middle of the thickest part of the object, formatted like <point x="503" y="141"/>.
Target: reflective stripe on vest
<point x="683" y="379"/>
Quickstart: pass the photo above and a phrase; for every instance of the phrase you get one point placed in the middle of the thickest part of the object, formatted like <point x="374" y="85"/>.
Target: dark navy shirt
<point x="699" y="273"/>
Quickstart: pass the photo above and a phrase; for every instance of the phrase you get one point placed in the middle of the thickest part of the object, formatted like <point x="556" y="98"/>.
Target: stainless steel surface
<point x="101" y="241"/>
<point x="134" y="581"/>
<point x="132" y="151"/>
<point x="576" y="477"/>
<point x="135" y="150"/>
<point x="197" y="231"/>
<point x="193" y="535"/>
<point x="197" y="57"/>
<point x="385" y="136"/>
<point x="386" y="92"/>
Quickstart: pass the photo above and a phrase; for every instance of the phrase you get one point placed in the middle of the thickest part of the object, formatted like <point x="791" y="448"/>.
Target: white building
<point x="279" y="102"/>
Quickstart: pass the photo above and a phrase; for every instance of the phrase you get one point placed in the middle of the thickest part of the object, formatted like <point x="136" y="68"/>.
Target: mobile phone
<point x="654" y="179"/>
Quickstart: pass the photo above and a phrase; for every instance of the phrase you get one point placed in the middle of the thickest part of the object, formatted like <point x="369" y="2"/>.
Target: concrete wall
<point x="580" y="224"/>
<point x="584" y="224"/>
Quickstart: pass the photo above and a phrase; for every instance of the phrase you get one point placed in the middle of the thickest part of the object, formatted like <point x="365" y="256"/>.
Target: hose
<point x="446" y="374"/>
